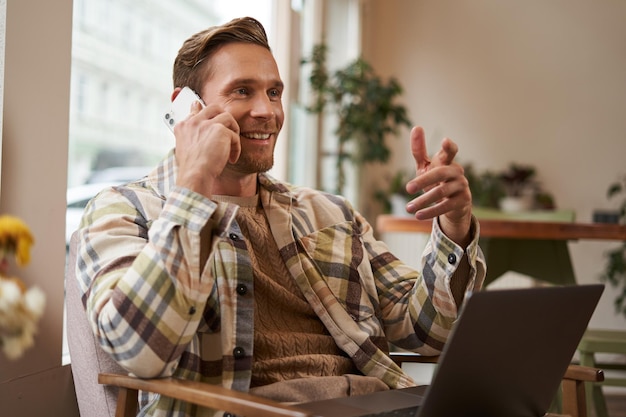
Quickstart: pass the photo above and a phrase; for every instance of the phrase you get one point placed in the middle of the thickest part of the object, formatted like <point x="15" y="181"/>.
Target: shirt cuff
<point x="449" y="253"/>
<point x="193" y="211"/>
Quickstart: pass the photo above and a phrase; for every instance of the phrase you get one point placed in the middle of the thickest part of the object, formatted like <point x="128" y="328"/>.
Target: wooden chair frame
<point x="244" y="404"/>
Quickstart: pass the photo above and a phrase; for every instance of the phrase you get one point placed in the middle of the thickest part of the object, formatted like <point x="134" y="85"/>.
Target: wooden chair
<point x="206" y="395"/>
<point x="104" y="389"/>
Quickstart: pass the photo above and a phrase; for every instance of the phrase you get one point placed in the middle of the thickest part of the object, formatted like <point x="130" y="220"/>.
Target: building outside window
<point x="121" y="83"/>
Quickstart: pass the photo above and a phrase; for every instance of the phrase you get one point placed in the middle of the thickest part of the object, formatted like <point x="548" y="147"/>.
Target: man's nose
<point x="263" y="107"/>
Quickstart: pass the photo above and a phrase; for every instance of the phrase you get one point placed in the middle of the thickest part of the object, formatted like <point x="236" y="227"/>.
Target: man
<point x="211" y="270"/>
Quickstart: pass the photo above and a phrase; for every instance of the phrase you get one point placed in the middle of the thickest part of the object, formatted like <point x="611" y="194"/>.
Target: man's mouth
<point x="256" y="136"/>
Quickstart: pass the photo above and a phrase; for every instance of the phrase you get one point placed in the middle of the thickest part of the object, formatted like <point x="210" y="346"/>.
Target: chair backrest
<point x="88" y="358"/>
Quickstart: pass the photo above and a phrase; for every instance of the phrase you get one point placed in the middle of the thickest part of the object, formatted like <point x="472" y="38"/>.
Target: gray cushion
<point x="87" y="357"/>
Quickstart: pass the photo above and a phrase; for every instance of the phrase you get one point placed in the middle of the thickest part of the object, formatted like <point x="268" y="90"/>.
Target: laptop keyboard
<point x="401" y="412"/>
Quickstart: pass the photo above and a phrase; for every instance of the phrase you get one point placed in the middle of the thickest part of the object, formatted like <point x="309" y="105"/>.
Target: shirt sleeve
<point x="417" y="307"/>
<point x="138" y="266"/>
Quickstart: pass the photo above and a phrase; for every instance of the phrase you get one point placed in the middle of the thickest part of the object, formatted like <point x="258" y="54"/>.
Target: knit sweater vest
<point x="290" y="341"/>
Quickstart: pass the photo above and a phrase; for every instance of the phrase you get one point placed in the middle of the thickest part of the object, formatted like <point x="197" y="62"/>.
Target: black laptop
<point x="506" y="357"/>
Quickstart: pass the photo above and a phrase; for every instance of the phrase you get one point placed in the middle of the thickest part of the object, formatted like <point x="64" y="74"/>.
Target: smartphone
<point x="181" y="107"/>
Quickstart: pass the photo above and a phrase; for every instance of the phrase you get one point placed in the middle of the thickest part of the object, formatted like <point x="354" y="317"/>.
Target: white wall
<point x="33" y="178"/>
<point x="538" y="82"/>
<point x="3" y="12"/>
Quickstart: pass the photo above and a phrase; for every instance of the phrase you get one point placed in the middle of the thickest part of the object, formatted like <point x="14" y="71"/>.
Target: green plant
<point x="396" y="186"/>
<point x="615" y="266"/>
<point x="517" y="179"/>
<point x="486" y="187"/>
<point x="365" y="107"/>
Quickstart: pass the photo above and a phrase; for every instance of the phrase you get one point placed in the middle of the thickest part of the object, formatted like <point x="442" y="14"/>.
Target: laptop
<point x="506" y="356"/>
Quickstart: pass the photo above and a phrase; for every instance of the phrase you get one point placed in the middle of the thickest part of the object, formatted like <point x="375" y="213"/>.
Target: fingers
<point x="418" y="149"/>
<point x="216" y="115"/>
<point x="196" y="107"/>
<point x="213" y="113"/>
<point x="441" y="179"/>
<point x="225" y="119"/>
<point x="448" y="151"/>
<point x="205" y="142"/>
<point x="444" y="156"/>
<point x="211" y="118"/>
<point x="228" y="121"/>
<point x="447" y="190"/>
<point x="235" y="147"/>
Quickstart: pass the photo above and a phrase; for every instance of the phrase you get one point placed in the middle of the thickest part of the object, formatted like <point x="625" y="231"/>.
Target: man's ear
<point x="175" y="92"/>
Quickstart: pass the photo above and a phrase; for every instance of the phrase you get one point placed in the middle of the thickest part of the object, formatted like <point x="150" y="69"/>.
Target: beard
<point x="249" y="164"/>
<point x="252" y="159"/>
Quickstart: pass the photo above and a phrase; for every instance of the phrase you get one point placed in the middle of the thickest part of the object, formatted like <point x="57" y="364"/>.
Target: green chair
<point x="596" y="341"/>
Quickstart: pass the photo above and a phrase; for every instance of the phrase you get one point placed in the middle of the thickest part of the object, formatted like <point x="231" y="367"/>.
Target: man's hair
<point x="191" y="64"/>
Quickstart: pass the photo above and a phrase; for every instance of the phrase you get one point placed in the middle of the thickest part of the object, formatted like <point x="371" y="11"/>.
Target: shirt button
<point x="239" y="352"/>
<point x="233" y="236"/>
<point x="192" y="310"/>
<point x="242" y="289"/>
<point x="452" y="259"/>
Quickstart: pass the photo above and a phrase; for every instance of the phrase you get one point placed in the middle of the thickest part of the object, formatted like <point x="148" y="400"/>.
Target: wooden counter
<point x="534" y="248"/>
<point x="514" y="229"/>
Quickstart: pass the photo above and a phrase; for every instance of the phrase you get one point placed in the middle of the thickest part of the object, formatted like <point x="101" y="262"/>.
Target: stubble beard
<point x="247" y="164"/>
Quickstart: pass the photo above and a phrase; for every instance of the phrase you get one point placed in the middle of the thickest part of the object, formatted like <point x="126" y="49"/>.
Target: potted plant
<point x="519" y="187"/>
<point x="486" y="187"/>
<point x="365" y="106"/>
<point x="395" y="197"/>
<point x="615" y="266"/>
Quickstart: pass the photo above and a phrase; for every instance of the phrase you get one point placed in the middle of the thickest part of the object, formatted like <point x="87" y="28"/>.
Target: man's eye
<point x="241" y="91"/>
<point x="275" y="93"/>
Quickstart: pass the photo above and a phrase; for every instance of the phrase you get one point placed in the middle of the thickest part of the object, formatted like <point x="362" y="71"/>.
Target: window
<point x="122" y="56"/>
<point x="313" y="142"/>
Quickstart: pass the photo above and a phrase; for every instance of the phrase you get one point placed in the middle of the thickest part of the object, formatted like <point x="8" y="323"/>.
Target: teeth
<point x="257" y="135"/>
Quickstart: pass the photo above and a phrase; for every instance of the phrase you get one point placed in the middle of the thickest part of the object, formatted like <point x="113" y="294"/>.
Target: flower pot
<point x="398" y="205"/>
<point x="511" y="204"/>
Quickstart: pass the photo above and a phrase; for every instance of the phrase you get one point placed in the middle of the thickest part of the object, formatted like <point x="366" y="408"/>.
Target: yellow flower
<point x="15" y="237"/>
<point x="20" y="307"/>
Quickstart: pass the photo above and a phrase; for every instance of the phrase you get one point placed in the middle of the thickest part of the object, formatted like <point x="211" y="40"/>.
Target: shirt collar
<point x="163" y="178"/>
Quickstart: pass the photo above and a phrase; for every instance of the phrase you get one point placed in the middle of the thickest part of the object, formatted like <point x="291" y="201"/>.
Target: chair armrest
<point x="573" y="388"/>
<point x="584" y="373"/>
<point x="203" y="394"/>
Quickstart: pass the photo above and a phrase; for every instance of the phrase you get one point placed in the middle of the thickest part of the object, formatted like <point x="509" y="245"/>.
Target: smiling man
<point x="242" y="90"/>
<point x="211" y="270"/>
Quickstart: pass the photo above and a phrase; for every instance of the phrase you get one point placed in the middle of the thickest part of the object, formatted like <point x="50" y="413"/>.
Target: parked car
<point x="77" y="199"/>
<point x="119" y="174"/>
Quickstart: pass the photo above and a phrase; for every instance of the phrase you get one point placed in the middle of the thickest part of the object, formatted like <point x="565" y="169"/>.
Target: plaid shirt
<point x="159" y="312"/>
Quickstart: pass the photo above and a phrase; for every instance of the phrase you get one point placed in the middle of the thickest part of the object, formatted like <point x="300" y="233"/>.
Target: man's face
<point x="244" y="80"/>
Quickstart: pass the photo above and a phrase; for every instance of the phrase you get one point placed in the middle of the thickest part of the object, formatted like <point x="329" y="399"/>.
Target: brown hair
<point x="199" y="48"/>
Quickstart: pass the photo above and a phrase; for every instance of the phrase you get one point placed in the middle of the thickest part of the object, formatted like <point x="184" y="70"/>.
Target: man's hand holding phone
<point x="207" y="138"/>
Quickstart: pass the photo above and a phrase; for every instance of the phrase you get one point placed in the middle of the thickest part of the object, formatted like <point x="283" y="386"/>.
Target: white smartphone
<point x="181" y="107"/>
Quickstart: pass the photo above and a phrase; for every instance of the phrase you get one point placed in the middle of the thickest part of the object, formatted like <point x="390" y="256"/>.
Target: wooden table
<point x="535" y="248"/>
